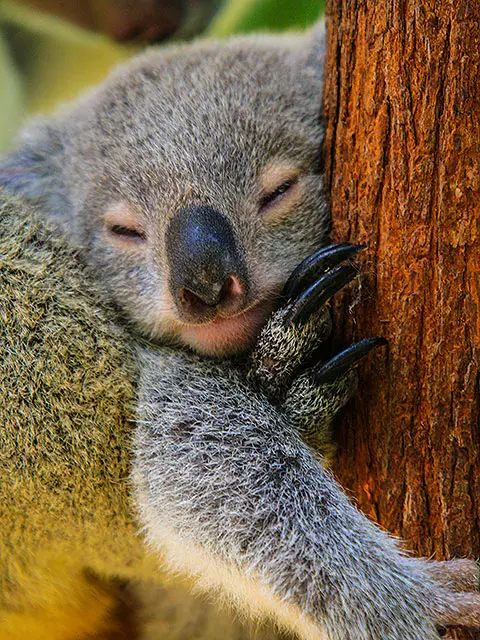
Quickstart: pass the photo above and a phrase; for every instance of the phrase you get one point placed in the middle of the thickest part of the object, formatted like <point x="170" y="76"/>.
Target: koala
<point x="186" y="195"/>
<point x="186" y="129"/>
<point x="69" y="528"/>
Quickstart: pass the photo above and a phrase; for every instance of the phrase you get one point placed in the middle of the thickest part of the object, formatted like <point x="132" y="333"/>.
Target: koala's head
<point x="191" y="180"/>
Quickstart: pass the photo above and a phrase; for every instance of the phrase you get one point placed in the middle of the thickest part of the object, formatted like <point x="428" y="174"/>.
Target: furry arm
<point x="230" y="494"/>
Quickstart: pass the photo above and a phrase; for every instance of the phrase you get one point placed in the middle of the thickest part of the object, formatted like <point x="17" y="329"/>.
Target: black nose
<point x="207" y="268"/>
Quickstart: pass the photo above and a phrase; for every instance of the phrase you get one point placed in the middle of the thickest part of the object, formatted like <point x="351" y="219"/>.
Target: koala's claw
<point x="319" y="262"/>
<point x="296" y="329"/>
<point x="346" y="360"/>
<point x="318" y="293"/>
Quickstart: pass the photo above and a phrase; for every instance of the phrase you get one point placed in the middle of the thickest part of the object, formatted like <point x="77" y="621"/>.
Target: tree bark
<point x="402" y="108"/>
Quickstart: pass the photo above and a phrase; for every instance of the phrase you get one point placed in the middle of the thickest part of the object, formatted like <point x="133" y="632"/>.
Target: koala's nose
<point x="207" y="268"/>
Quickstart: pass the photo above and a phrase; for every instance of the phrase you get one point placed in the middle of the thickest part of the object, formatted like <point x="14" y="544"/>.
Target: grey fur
<point x="225" y="471"/>
<point x="226" y="490"/>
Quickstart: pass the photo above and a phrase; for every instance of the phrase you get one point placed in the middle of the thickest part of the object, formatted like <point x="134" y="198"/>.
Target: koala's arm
<point x="230" y="494"/>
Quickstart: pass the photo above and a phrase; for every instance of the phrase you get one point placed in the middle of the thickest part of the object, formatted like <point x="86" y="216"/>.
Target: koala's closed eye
<point x="280" y="191"/>
<point x="127" y="233"/>
<point x="123" y="227"/>
<point x="277" y="194"/>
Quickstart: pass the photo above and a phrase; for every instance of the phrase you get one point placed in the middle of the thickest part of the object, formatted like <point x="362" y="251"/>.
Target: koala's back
<point x="66" y="393"/>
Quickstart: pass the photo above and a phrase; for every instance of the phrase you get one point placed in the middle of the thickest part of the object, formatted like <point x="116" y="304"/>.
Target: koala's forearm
<point x="229" y="493"/>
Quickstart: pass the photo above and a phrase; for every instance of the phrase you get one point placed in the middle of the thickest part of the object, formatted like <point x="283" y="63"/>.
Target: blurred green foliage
<point x="244" y="16"/>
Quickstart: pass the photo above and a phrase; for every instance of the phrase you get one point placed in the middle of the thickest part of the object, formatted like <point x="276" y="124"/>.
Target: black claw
<point x="316" y="295"/>
<point x="340" y="364"/>
<point x="308" y="271"/>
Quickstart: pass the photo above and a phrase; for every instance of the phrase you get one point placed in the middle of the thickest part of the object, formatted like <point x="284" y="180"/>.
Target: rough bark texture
<point x="402" y="102"/>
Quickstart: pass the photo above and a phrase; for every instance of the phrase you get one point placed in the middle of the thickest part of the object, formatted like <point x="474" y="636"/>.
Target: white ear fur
<point x="318" y="44"/>
<point x="34" y="169"/>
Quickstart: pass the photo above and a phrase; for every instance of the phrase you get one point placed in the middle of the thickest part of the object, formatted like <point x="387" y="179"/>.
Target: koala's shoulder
<point x="67" y="365"/>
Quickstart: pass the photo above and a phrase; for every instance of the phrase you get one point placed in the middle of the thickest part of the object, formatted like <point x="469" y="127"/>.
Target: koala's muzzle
<point x="208" y="275"/>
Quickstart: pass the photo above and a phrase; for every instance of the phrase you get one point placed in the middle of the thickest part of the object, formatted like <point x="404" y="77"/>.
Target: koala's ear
<point x="35" y="169"/>
<point x="318" y="46"/>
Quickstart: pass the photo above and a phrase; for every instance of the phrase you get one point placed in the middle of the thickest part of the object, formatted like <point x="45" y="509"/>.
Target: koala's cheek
<point x="137" y="288"/>
<point x="154" y="314"/>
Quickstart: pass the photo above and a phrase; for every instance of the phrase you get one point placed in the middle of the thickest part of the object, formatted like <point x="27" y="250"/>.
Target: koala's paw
<point x="299" y="327"/>
<point x="458" y="598"/>
<point x="320" y="392"/>
<point x="461" y="611"/>
<point x="456" y="575"/>
<point x="310" y="397"/>
<point x="459" y="584"/>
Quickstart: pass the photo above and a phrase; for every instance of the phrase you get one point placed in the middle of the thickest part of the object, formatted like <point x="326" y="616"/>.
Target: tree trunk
<point x="402" y="106"/>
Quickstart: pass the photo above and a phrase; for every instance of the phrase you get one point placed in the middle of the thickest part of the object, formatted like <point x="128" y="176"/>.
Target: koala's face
<point x="194" y="185"/>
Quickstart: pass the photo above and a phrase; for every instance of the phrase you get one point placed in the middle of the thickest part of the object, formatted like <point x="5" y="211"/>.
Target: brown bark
<point x="402" y="103"/>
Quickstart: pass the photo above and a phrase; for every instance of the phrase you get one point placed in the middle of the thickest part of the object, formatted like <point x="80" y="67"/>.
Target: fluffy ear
<point x="318" y="46"/>
<point x="35" y="169"/>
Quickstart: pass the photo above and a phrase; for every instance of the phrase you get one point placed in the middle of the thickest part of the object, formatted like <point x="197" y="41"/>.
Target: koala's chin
<point x="226" y="336"/>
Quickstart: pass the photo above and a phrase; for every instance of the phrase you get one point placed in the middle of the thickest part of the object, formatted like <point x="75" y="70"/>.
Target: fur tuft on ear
<point x="318" y="46"/>
<point x="35" y="169"/>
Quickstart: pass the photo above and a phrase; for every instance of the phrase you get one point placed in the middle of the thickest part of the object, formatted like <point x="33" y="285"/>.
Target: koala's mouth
<point x="224" y="336"/>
